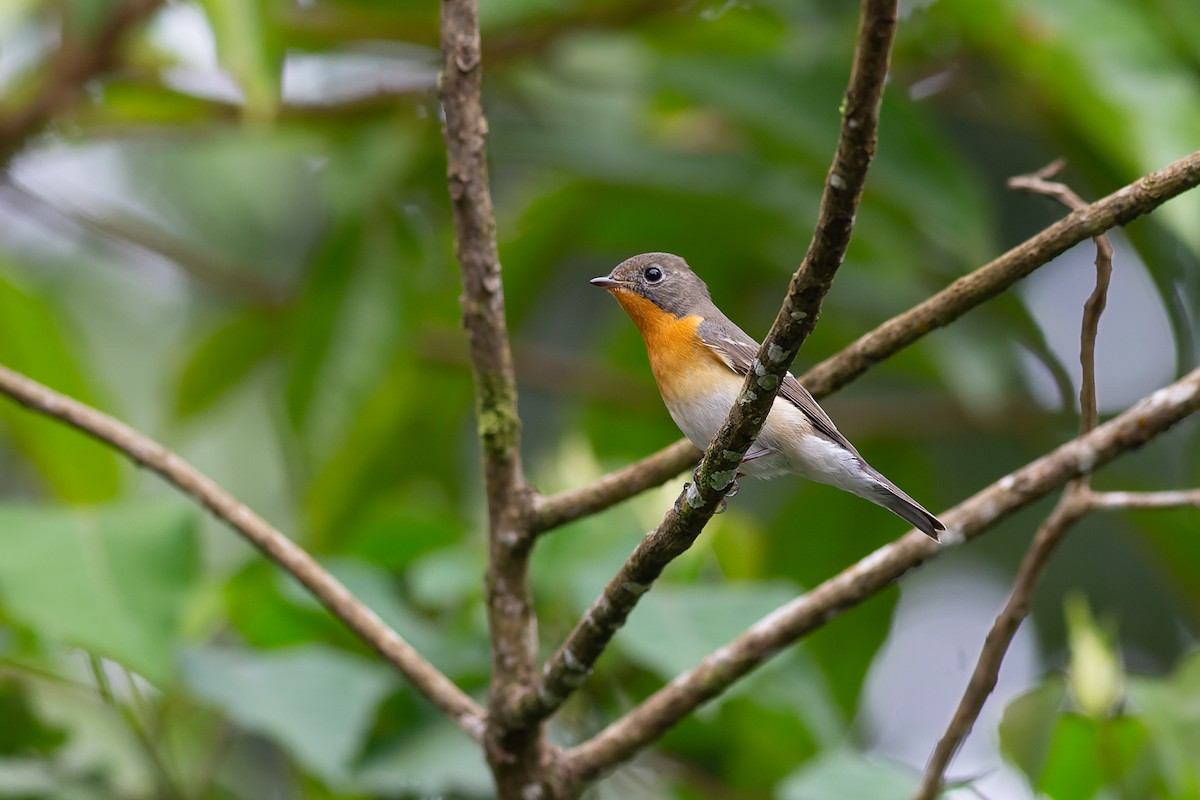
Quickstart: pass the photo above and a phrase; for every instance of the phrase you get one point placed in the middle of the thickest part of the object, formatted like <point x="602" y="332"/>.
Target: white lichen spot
<point x="572" y="663"/>
<point x="634" y="588"/>
<point x="758" y="367"/>
<point x="1007" y="483"/>
<point x="837" y="181"/>
<point x="799" y="315"/>
<point x="693" y="496"/>
<point x="747" y="396"/>
<point x="548" y="697"/>
<point x="719" y="480"/>
<point x="776" y="353"/>
<point x="533" y="791"/>
<point x="953" y="535"/>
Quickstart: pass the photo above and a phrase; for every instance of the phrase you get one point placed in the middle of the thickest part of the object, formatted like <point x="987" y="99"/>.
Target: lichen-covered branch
<point x="573" y="661"/>
<point x="517" y="752"/>
<point x="439" y="689"/>
<point x="716" y="673"/>
<point x="1119" y="208"/>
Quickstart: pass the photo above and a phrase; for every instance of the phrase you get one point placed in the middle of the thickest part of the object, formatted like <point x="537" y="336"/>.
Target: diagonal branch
<point x="439" y="689"/>
<point x="1119" y="208"/>
<point x="72" y="66"/>
<point x="717" y="672"/>
<point x="570" y="665"/>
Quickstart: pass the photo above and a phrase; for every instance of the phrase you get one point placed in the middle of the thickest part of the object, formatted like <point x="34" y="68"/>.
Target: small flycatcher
<point x="700" y="358"/>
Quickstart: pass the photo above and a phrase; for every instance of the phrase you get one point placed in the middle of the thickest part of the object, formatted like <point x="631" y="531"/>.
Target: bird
<point x="700" y="358"/>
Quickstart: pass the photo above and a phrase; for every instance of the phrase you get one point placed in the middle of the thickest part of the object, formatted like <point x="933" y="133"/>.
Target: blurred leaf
<point x="20" y="729"/>
<point x="113" y="580"/>
<point x="1170" y="710"/>
<point x="223" y="359"/>
<point x="1094" y="673"/>
<point x="376" y="589"/>
<point x="841" y="773"/>
<point x="1087" y="754"/>
<point x="675" y="626"/>
<point x="435" y="761"/>
<point x="316" y="702"/>
<point x="249" y="50"/>
<point x="1027" y="726"/>
<point x="32" y="342"/>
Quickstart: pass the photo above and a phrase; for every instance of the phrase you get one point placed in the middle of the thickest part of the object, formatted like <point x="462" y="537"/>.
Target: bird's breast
<point x="683" y="366"/>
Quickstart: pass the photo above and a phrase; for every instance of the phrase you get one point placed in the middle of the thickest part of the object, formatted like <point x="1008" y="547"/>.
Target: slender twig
<point x="442" y="692"/>
<point x="718" y="671"/>
<point x="72" y="65"/>
<point x="1069" y="510"/>
<point x="1119" y="208"/>
<point x="1119" y="501"/>
<point x="570" y="665"/>
<point x="1071" y="507"/>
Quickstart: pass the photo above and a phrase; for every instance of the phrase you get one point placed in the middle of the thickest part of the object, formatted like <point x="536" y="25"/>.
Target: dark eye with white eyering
<point x="653" y="274"/>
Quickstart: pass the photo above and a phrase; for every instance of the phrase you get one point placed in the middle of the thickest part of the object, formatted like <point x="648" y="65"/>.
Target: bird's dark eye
<point x="653" y="274"/>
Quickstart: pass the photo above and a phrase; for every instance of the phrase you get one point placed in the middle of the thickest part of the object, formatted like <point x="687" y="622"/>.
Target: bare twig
<point x="654" y="470"/>
<point x="717" y="672"/>
<point x="570" y="665"/>
<point x="1119" y="208"/>
<point x="442" y="692"/>
<point x="1113" y="501"/>
<point x="1071" y="507"/>
<point x="72" y="66"/>
<point x="1069" y="510"/>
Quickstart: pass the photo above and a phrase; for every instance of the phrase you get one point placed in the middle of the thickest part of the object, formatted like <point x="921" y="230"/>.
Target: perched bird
<point x="700" y="358"/>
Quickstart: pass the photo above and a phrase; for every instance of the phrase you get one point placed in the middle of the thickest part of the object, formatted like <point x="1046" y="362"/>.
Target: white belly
<point x="794" y="446"/>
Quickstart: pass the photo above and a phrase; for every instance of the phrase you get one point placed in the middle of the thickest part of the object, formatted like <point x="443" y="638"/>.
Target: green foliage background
<point x="268" y="287"/>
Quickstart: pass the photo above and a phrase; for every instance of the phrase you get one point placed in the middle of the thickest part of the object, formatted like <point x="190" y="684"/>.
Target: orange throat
<point x="678" y="357"/>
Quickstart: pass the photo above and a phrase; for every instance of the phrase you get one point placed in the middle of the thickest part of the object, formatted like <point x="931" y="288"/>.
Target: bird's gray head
<point x="662" y="278"/>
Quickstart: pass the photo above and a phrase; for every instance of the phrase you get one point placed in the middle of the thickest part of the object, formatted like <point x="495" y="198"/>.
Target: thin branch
<point x="1071" y="507"/>
<point x="73" y="65"/>
<point x="1119" y="208"/>
<point x="717" y="672"/>
<point x="1113" y="501"/>
<point x="654" y="470"/>
<point x="435" y="686"/>
<point x="570" y="665"/>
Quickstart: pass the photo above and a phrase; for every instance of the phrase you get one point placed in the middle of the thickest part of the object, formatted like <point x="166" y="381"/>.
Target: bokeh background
<point x="239" y="243"/>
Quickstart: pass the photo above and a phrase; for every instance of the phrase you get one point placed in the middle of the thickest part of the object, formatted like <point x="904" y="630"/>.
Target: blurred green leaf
<point x="249" y="50"/>
<point x="32" y="342"/>
<point x="675" y="626"/>
<point x="842" y="773"/>
<point x="223" y="359"/>
<point x="316" y="702"/>
<point x="20" y="729"/>
<point x="1027" y="727"/>
<point x="435" y="761"/>
<point x="111" y="579"/>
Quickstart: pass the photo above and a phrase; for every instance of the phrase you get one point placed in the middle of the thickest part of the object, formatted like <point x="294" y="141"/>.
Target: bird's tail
<point x="893" y="498"/>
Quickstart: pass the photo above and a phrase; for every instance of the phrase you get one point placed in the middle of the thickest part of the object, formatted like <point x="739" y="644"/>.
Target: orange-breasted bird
<point x="700" y="359"/>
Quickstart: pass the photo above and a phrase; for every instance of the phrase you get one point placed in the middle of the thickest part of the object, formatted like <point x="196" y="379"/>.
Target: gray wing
<point x="738" y="351"/>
